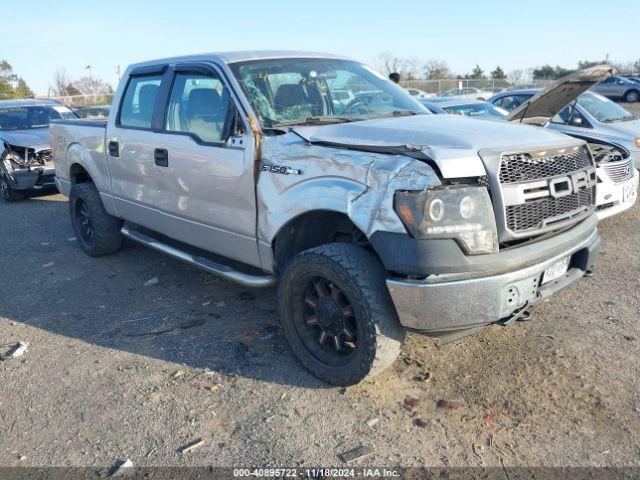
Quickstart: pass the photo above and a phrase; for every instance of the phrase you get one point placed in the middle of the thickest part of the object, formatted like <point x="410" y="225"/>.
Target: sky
<point x="41" y="37"/>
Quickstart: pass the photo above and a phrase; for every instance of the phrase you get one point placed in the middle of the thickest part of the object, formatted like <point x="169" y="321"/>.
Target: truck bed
<point x="80" y="141"/>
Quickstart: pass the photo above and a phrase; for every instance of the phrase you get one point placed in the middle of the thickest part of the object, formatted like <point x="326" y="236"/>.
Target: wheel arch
<point x="311" y="229"/>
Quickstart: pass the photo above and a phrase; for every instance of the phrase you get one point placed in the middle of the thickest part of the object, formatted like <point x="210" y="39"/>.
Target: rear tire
<point x="98" y="233"/>
<point x="337" y="314"/>
<point x="632" y="96"/>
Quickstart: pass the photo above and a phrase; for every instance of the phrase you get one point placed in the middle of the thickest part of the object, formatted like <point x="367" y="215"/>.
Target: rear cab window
<point x="136" y="110"/>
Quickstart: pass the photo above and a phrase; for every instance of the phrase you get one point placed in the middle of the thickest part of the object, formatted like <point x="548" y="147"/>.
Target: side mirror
<point x="576" y="121"/>
<point x="231" y="122"/>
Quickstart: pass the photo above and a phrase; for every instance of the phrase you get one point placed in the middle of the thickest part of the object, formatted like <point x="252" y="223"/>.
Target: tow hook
<point x="525" y="316"/>
<point x="522" y="315"/>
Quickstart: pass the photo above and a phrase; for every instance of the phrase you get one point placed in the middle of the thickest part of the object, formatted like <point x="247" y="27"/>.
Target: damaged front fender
<point x="358" y="184"/>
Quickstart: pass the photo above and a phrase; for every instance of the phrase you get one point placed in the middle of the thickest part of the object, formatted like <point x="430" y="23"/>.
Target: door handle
<point x="161" y="157"/>
<point x="114" y="148"/>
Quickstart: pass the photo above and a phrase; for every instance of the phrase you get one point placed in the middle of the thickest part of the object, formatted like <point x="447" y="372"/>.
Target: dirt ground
<point x="116" y="369"/>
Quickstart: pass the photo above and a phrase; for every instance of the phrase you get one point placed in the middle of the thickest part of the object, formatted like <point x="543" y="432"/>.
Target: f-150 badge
<point x="281" y="169"/>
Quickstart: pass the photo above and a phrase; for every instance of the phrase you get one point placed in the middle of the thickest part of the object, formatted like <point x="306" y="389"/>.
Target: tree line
<point x="11" y="85"/>
<point x="411" y="68"/>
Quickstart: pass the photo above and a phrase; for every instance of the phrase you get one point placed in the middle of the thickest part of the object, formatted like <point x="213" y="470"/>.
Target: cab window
<point x="139" y="100"/>
<point x="198" y="105"/>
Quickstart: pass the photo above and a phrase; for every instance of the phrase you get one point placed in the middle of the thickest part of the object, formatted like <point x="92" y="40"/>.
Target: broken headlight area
<point x="603" y="153"/>
<point x="24" y="168"/>
<point x="464" y="214"/>
<point x="25" y="157"/>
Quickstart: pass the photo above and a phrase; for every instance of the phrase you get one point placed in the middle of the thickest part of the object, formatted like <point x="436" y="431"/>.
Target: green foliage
<point x="547" y="72"/>
<point x="498" y="74"/>
<point x="22" y="89"/>
<point x="478" y="73"/>
<point x="12" y="86"/>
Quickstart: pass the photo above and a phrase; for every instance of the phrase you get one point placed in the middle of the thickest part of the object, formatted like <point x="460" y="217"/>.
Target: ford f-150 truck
<point x="373" y="216"/>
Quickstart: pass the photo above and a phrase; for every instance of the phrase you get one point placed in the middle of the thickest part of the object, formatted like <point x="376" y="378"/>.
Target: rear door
<point x="203" y="162"/>
<point x="130" y="144"/>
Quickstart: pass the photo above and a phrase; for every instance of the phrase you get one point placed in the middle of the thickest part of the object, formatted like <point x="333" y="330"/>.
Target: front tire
<point x="98" y="233"/>
<point x="7" y="193"/>
<point x="337" y="314"/>
<point x="632" y="96"/>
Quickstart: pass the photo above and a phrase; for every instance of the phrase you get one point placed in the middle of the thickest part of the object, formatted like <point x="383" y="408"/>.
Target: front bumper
<point x="613" y="198"/>
<point x="33" y="178"/>
<point x="450" y="302"/>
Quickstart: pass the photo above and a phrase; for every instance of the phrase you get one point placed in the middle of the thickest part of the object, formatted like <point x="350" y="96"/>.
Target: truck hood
<point x="538" y="110"/>
<point x="453" y="142"/>
<point x="37" y="138"/>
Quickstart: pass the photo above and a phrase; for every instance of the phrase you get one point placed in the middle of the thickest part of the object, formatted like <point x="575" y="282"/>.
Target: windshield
<point x="22" y="118"/>
<point x="298" y="91"/>
<point x="603" y="109"/>
<point x="478" y="110"/>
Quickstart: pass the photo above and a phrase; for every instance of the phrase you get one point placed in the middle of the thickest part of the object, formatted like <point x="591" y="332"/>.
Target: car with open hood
<point x="613" y="133"/>
<point x="466" y="107"/>
<point x="373" y="216"/>
<point x="26" y="164"/>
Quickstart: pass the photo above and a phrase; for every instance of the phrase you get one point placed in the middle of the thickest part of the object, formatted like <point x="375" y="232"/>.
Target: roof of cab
<point x="240" y="56"/>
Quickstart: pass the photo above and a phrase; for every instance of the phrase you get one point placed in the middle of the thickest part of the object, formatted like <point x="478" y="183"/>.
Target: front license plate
<point x="628" y="192"/>
<point x="556" y="270"/>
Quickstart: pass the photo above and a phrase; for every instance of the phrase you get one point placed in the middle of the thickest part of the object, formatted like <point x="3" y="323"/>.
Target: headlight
<point x="462" y="213"/>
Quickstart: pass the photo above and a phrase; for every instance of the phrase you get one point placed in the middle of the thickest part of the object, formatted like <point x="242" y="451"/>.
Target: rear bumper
<point x="445" y="303"/>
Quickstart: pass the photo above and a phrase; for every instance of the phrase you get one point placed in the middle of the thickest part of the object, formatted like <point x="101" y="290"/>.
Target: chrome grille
<point x="540" y="213"/>
<point x="529" y="186"/>
<point x="619" y="172"/>
<point x="523" y="167"/>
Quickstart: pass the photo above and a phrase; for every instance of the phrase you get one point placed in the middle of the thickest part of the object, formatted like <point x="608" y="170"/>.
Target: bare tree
<point x="407" y="67"/>
<point x="515" y="76"/>
<point x="436" y="70"/>
<point x="60" y="82"/>
<point x="92" y="86"/>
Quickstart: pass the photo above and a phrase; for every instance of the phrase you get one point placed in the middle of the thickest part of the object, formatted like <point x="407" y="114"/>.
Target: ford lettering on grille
<point x="545" y="190"/>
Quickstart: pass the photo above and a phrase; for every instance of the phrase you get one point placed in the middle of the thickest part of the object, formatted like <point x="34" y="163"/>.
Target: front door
<point x="204" y="167"/>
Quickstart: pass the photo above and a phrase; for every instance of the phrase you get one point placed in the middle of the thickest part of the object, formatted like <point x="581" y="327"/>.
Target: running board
<point x="210" y="266"/>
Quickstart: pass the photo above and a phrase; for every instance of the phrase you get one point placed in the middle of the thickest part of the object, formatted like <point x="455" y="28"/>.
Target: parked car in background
<point x="374" y="218"/>
<point x="466" y="107"/>
<point x="25" y="154"/>
<point x="612" y="132"/>
<point x="420" y="94"/>
<point x="466" y="92"/>
<point x="590" y="115"/>
<point x="633" y="78"/>
<point x="619" y="88"/>
<point x="92" y="111"/>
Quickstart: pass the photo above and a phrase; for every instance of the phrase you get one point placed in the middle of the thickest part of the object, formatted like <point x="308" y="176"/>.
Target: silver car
<point x="591" y="115"/>
<point x="619" y="88"/>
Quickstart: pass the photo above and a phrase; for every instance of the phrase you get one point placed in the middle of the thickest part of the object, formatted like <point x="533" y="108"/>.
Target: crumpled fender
<point x="359" y="184"/>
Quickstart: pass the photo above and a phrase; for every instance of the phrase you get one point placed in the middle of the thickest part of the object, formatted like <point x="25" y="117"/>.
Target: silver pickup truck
<point x="372" y="215"/>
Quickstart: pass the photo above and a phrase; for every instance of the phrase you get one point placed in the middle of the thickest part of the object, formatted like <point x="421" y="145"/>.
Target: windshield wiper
<point x="326" y="120"/>
<point x="398" y="113"/>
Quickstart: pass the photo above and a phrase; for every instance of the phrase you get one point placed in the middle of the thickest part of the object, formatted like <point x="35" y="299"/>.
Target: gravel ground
<point x="116" y="369"/>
